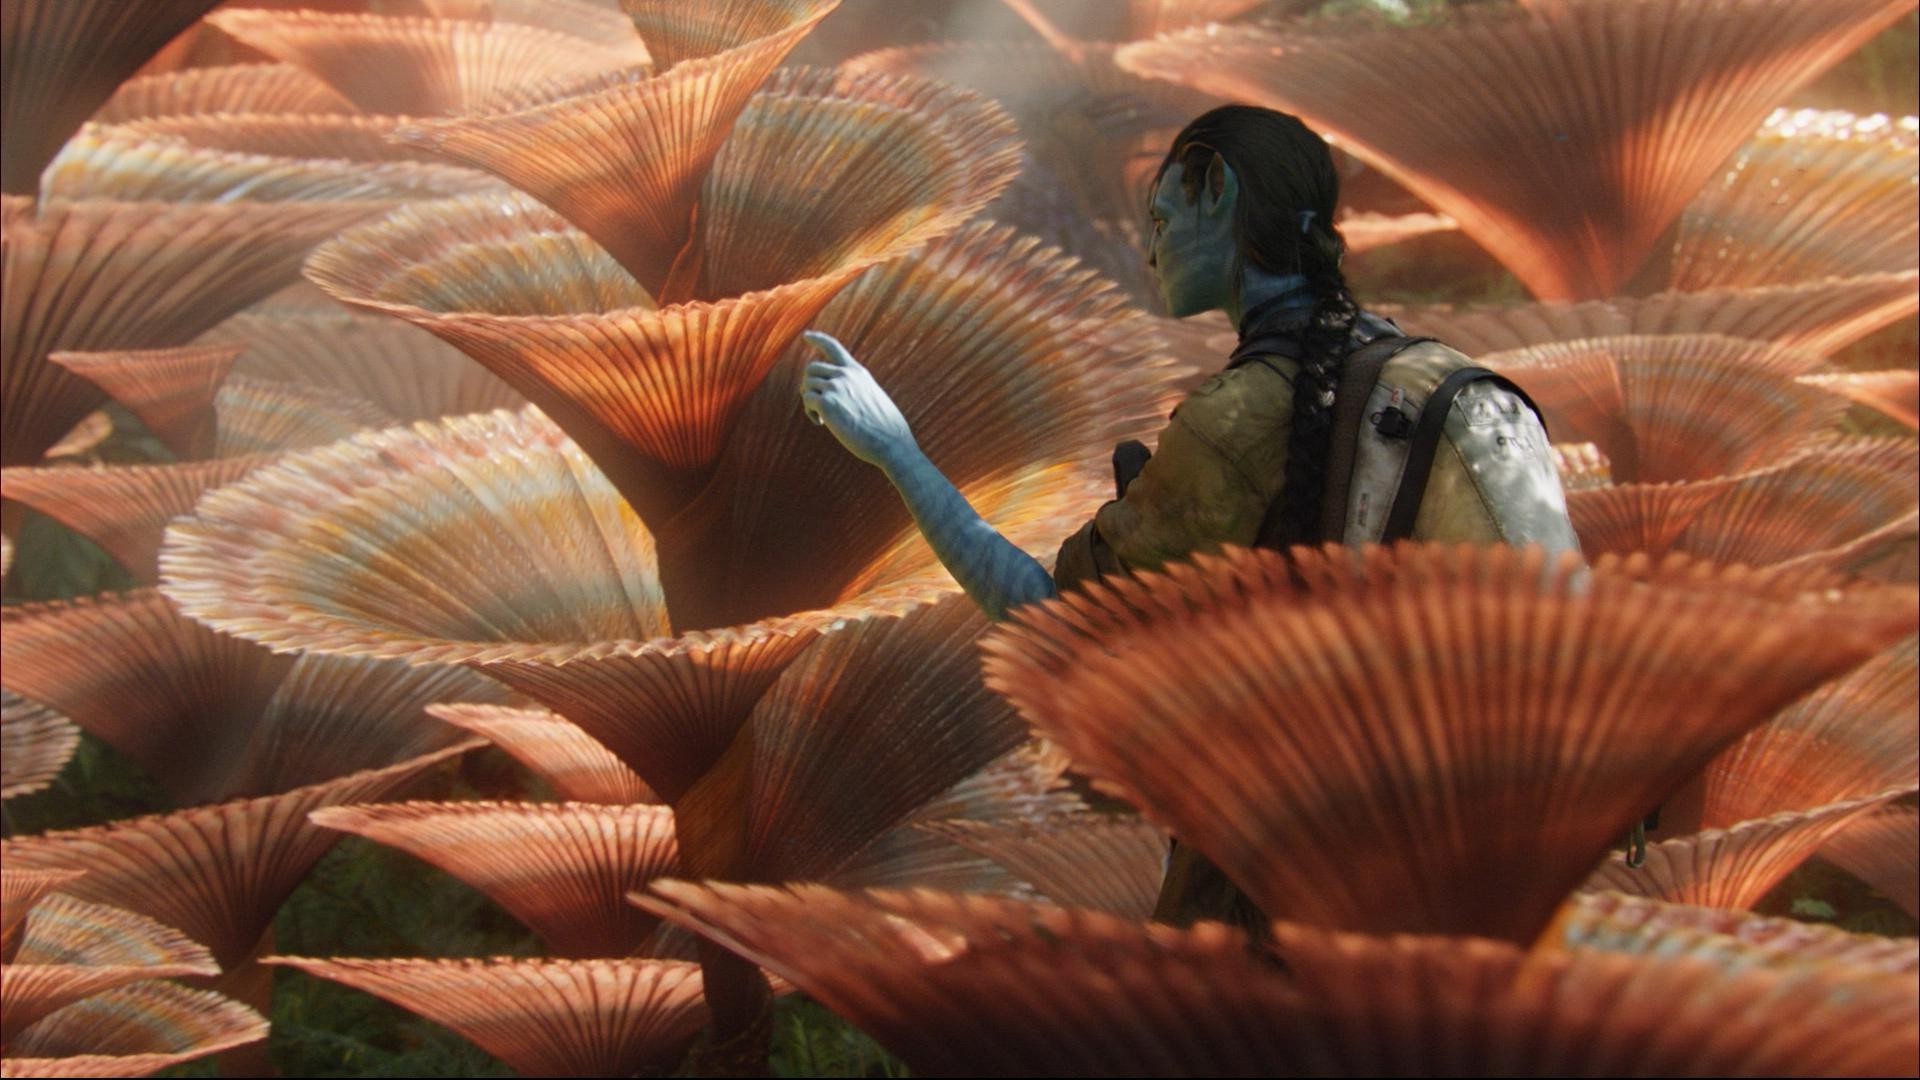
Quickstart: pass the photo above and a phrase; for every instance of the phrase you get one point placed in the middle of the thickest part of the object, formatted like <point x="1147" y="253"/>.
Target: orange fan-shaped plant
<point x="1622" y="518"/>
<point x="1813" y="195"/>
<point x="1345" y="750"/>
<point x="123" y="508"/>
<point x="133" y="1031"/>
<point x="414" y="66"/>
<point x="1821" y="317"/>
<point x="555" y="749"/>
<point x="63" y="59"/>
<point x="219" y="872"/>
<point x="108" y="163"/>
<point x="1821" y="501"/>
<point x="624" y="156"/>
<point x="1895" y="393"/>
<point x="279" y="89"/>
<point x="1734" y="867"/>
<point x="134" y="672"/>
<point x="170" y="391"/>
<point x="543" y="1017"/>
<point x="1881" y="850"/>
<point x="1851" y="738"/>
<point x="96" y="276"/>
<point x="564" y="870"/>
<point x="20" y="890"/>
<point x="35" y="744"/>
<point x="1602" y="132"/>
<point x="1616" y="922"/>
<point x="970" y="986"/>
<point x="1675" y="407"/>
<point x="1094" y="136"/>
<point x="71" y="949"/>
<point x="405" y="372"/>
<point x="820" y="179"/>
<point x="1098" y="861"/>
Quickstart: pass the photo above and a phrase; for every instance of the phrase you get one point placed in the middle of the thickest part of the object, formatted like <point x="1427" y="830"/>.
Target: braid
<point x="1325" y="343"/>
<point x="1283" y="223"/>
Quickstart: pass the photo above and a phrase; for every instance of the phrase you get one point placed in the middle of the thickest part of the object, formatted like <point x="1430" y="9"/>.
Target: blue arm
<point x="841" y="394"/>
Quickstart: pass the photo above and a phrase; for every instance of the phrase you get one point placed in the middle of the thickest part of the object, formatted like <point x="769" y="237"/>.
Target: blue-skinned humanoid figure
<point x="1242" y="222"/>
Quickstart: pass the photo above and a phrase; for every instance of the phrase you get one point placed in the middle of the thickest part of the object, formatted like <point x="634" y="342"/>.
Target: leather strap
<point x="1425" y="444"/>
<point x="1357" y="380"/>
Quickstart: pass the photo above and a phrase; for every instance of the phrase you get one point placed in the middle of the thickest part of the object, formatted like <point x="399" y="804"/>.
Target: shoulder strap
<point x="1357" y="378"/>
<point x="1425" y="443"/>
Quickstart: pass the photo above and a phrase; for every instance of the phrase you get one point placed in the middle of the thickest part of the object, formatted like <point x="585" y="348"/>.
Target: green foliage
<point x="367" y="900"/>
<point x="808" y="1040"/>
<point x="99" y="785"/>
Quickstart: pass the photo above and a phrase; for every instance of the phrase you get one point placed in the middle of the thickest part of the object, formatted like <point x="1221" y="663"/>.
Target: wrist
<point x="900" y="457"/>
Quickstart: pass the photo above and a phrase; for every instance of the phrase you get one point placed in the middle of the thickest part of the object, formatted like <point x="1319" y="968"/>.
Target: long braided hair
<point x="1284" y="223"/>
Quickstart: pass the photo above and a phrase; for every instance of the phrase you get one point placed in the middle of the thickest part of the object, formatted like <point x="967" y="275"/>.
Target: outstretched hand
<point x="840" y="393"/>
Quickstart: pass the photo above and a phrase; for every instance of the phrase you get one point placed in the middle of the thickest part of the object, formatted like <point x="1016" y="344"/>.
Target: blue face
<point x="1192" y="246"/>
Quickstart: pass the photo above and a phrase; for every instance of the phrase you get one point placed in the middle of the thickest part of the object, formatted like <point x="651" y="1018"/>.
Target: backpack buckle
<point x="1391" y="423"/>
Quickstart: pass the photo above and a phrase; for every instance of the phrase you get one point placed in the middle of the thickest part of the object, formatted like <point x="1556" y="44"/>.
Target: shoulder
<point x="1418" y="368"/>
<point x="1255" y="387"/>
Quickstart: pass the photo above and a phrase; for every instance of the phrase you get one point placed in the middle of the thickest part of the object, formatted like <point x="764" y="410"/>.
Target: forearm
<point x="995" y="573"/>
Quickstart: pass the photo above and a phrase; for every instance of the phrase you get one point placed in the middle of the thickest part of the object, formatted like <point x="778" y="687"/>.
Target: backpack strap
<point x="1425" y="444"/>
<point x="1357" y="379"/>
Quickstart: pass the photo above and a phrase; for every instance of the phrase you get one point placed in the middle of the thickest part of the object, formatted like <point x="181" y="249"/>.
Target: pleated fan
<point x="1623" y="518"/>
<point x="71" y="949"/>
<point x="63" y="60"/>
<point x="1812" y="195"/>
<point x="333" y="136"/>
<point x="170" y="391"/>
<point x="110" y="163"/>
<point x="1855" y="736"/>
<point x="254" y="417"/>
<point x="1819" y="501"/>
<point x="20" y="890"/>
<point x="676" y="34"/>
<point x="1675" y="407"/>
<point x="584" y="19"/>
<point x="973" y="986"/>
<point x="623" y="156"/>
<point x="217" y="873"/>
<point x="1819" y="316"/>
<point x="401" y="370"/>
<point x="133" y="671"/>
<point x="133" y="1031"/>
<point x="1735" y="867"/>
<point x="35" y="744"/>
<point x="1084" y="860"/>
<point x="414" y="66"/>
<point x="1348" y="751"/>
<point x="652" y="394"/>
<point x="572" y="762"/>
<point x="94" y="276"/>
<point x="277" y="89"/>
<point x="562" y="869"/>
<point x="123" y="508"/>
<point x="542" y="1017"/>
<point x="1617" y="922"/>
<point x="1602" y="131"/>
<point x="1882" y="849"/>
<point x="1894" y="393"/>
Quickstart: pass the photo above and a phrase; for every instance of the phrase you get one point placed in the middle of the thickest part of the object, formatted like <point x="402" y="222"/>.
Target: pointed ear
<point x="1222" y="187"/>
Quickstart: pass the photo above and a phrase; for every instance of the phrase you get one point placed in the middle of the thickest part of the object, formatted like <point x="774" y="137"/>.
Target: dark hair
<point x="1284" y="169"/>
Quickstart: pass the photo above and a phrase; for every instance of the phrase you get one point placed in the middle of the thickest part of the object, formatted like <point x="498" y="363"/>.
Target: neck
<point x="1258" y="287"/>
